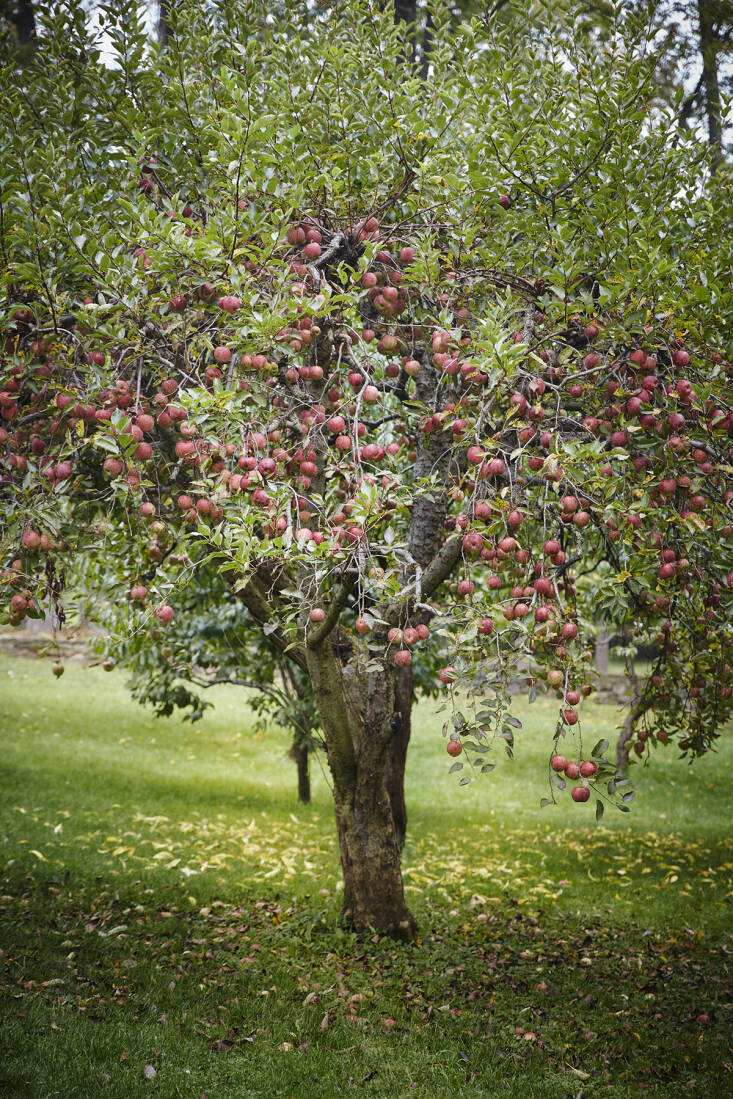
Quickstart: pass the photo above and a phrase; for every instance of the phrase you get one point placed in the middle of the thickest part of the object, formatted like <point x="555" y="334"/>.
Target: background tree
<point x="289" y="313"/>
<point x="211" y="642"/>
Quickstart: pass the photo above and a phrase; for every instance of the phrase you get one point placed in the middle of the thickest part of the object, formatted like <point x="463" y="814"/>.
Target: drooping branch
<point x="255" y="600"/>
<point x="442" y="565"/>
<point x="318" y="632"/>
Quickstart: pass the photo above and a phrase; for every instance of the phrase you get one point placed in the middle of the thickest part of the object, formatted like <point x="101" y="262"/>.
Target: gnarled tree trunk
<point x="357" y="708"/>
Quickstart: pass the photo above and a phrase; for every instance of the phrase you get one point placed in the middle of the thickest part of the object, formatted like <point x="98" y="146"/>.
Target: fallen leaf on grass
<point x="149" y="1072"/>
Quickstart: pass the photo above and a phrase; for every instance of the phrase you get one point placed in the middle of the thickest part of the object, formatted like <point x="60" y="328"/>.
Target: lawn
<point x="169" y="916"/>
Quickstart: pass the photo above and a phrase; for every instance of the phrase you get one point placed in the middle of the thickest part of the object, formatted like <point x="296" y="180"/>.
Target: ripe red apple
<point x="403" y="658"/>
<point x="473" y="543"/>
<point x="447" y="675"/>
<point x="454" y="748"/>
<point x="572" y="770"/>
<point x="558" y="763"/>
<point x="317" y="614"/>
<point x="229" y="303"/>
<point x="580" y="793"/>
<point x="112" y="466"/>
<point x="164" y="614"/>
<point x="588" y="768"/>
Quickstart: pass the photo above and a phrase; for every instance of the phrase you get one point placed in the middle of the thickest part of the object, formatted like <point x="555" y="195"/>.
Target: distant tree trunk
<point x="164" y="29"/>
<point x="25" y="22"/>
<point x="427" y="44"/>
<point x="711" y="86"/>
<point x="405" y="11"/>
<point x="397" y="753"/>
<point x="603" y="639"/>
<point x="357" y="711"/>
<point x="627" y="729"/>
<point x="301" y="755"/>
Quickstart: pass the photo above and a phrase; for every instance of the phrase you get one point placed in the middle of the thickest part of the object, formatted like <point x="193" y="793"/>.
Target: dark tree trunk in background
<point x="25" y="22"/>
<point x="397" y="753"/>
<point x="405" y="11"/>
<point x="20" y="14"/>
<point x="711" y="87"/>
<point x="603" y="639"/>
<point x="164" y="30"/>
<point x="626" y="735"/>
<point x="301" y="755"/>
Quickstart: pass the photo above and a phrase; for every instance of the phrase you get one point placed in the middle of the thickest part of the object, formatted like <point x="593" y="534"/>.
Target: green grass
<point x="165" y="901"/>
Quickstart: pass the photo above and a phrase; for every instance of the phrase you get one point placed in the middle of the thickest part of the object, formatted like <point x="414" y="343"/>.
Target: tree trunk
<point x="711" y="86"/>
<point x="301" y="755"/>
<point x="627" y="729"/>
<point x="164" y="29"/>
<point x="25" y="22"/>
<point x="397" y="753"/>
<point x="357" y="708"/>
<point x="405" y="11"/>
<point x="624" y="740"/>
<point x="603" y="639"/>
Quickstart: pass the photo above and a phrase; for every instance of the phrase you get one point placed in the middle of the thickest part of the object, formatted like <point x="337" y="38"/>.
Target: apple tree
<point x="407" y="359"/>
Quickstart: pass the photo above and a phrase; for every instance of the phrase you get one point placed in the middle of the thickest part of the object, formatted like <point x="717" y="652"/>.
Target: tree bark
<point x="624" y="741"/>
<point x="602" y="645"/>
<point x="164" y="29"/>
<point x="397" y="753"/>
<point x="25" y="22"/>
<point x="405" y="11"/>
<point x="301" y="755"/>
<point x="711" y="86"/>
<point x="357" y="709"/>
<point x="627" y="729"/>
